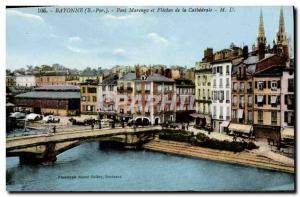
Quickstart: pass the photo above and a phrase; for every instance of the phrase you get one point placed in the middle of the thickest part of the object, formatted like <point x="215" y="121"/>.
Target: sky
<point x="105" y="40"/>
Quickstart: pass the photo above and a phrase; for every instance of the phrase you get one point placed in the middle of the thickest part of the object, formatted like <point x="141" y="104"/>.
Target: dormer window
<point x="144" y="77"/>
<point x="260" y="85"/>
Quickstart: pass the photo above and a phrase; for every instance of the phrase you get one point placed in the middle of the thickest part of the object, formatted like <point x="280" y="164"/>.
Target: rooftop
<point x="50" y="95"/>
<point x="58" y="88"/>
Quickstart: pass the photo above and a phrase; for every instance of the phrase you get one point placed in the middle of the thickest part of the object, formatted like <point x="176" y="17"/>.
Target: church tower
<point x="261" y="38"/>
<point x="282" y="43"/>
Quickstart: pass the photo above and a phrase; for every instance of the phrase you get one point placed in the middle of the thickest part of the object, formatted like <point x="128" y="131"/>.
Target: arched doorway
<point x="156" y="121"/>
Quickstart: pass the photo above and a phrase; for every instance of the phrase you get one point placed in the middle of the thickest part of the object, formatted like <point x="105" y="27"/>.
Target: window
<point x="234" y="100"/>
<point x="227" y="69"/>
<point x="242" y="101"/>
<point x="221" y="83"/>
<point x="221" y="96"/>
<point x="83" y="98"/>
<point x="215" y="82"/>
<point x="260" y="85"/>
<point x="235" y="86"/>
<point x="111" y="88"/>
<point x="249" y="101"/>
<point x="274" y="85"/>
<point x="227" y="96"/>
<point x="227" y="82"/>
<point x="260" y="117"/>
<point x="291" y="85"/>
<point x="91" y="90"/>
<point x="215" y="111"/>
<point x="221" y="112"/>
<point x="250" y="118"/>
<point x="274" y="118"/>
<point x="94" y="99"/>
<point x="83" y="89"/>
<point x="242" y="86"/>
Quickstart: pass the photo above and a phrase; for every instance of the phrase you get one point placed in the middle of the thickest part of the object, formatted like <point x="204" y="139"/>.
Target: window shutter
<point x="269" y="84"/>
<point x="269" y="99"/>
<point x="265" y="99"/>
<point x="285" y="99"/>
<point x="278" y="100"/>
<point x="255" y="99"/>
<point x="256" y="84"/>
<point x="265" y="84"/>
<point x="278" y="84"/>
<point x="285" y="116"/>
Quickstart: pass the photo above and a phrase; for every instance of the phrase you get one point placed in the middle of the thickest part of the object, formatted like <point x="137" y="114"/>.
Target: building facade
<point x="57" y="100"/>
<point x="203" y="98"/>
<point x="25" y="81"/>
<point x="90" y="92"/>
<point x="221" y="94"/>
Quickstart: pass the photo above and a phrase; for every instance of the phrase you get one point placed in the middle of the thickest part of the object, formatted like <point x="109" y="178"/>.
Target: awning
<point x="287" y="133"/>
<point x="10" y="105"/>
<point x="242" y="128"/>
<point x="240" y="113"/>
<point x="224" y="124"/>
<point x="273" y="99"/>
<point x="260" y="99"/>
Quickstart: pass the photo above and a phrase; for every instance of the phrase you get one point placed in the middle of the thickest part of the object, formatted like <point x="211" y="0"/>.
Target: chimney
<point x="261" y="51"/>
<point x="245" y="52"/>
<point x="137" y="72"/>
<point x="208" y="54"/>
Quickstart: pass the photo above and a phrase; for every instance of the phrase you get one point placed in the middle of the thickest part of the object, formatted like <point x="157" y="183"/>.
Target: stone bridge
<point x="44" y="148"/>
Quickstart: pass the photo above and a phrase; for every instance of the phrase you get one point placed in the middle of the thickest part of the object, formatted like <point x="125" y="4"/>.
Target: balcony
<point x="147" y="91"/>
<point x="242" y="106"/>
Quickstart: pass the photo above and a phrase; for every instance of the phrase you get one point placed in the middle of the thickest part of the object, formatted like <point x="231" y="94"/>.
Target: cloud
<point x="74" y="39"/>
<point x="117" y="18"/>
<point x="25" y="15"/>
<point x="158" y="39"/>
<point x="119" y="52"/>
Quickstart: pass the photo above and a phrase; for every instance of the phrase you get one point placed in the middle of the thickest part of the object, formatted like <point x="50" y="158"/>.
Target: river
<point x="88" y="168"/>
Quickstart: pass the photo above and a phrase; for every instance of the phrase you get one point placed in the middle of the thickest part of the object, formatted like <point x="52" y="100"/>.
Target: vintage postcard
<point x="150" y="99"/>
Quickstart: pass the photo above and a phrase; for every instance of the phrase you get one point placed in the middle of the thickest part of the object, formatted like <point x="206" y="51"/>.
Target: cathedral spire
<point x="281" y="35"/>
<point x="261" y="39"/>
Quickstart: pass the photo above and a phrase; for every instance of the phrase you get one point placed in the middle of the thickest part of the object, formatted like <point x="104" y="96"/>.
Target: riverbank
<point x="242" y="158"/>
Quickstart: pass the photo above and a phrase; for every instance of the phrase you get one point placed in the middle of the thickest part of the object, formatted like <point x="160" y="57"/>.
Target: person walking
<point x="54" y="129"/>
<point x="92" y="125"/>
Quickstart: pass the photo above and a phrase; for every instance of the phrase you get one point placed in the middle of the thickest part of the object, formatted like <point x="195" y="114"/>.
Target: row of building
<point x="64" y="77"/>
<point x="247" y="91"/>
